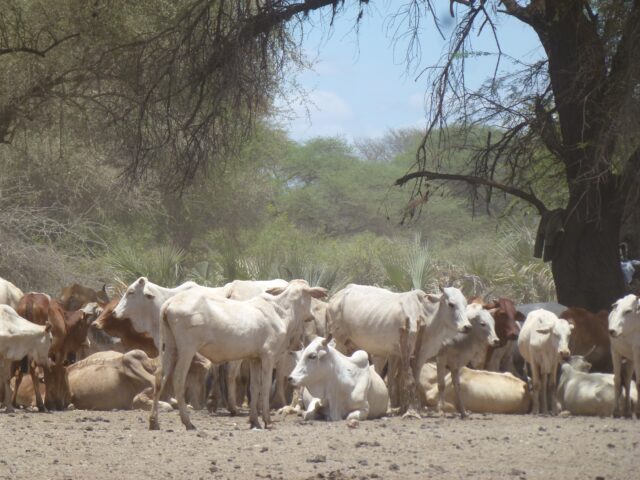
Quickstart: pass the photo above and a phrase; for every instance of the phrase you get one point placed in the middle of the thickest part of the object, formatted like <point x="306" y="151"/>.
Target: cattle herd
<point x="364" y="353"/>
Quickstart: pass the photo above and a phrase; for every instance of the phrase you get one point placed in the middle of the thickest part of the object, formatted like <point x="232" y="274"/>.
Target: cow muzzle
<point x="495" y="342"/>
<point x="565" y="354"/>
<point x="465" y="328"/>
<point x="512" y="336"/>
<point x="293" y="381"/>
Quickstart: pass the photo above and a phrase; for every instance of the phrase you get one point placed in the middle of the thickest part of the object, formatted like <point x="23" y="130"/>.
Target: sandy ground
<point x="100" y="445"/>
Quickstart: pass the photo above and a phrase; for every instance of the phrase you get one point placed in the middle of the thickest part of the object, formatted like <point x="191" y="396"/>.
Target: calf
<point x="543" y="341"/>
<point x="624" y="329"/>
<point x="75" y="296"/>
<point x="341" y="387"/>
<point x="584" y="393"/>
<point x="20" y="338"/>
<point x="590" y="337"/>
<point x="463" y="348"/>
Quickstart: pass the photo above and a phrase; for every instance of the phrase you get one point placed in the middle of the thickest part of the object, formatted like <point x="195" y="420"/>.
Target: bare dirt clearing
<point x="99" y="445"/>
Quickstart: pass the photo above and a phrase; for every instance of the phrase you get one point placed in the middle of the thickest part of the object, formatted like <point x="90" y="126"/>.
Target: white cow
<point x="464" y="348"/>
<point x="543" y="341"/>
<point x="341" y="387"/>
<point x="584" y="393"/>
<point x="223" y="330"/>
<point x="624" y="330"/>
<point x="480" y="390"/>
<point x="19" y="338"/>
<point x="141" y="304"/>
<point x="9" y="294"/>
<point x="245" y="290"/>
<point x="387" y="324"/>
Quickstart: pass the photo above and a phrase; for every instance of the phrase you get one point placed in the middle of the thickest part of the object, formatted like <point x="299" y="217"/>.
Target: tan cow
<point x="481" y="391"/>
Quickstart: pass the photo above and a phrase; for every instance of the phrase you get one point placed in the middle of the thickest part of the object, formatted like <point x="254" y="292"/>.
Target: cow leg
<point x="535" y="397"/>
<point x="279" y="397"/>
<point x="393" y="382"/>
<point x="455" y="379"/>
<point x="254" y="387"/>
<point x="616" y="359"/>
<point x="416" y="366"/>
<point x="409" y="406"/>
<point x="179" y="384"/>
<point x="22" y="365"/>
<point x="553" y="390"/>
<point x="441" y="373"/>
<point x="636" y="368"/>
<point x="231" y="374"/>
<point x="544" y="380"/>
<point x="163" y="373"/>
<point x="314" y="410"/>
<point x="267" y="374"/>
<point x="6" y="372"/>
<point x="35" y="381"/>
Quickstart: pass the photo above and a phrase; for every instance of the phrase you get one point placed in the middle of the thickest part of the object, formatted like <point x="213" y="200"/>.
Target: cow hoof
<point x="153" y="424"/>
<point x="43" y="409"/>
<point x="190" y="426"/>
<point x="411" y="413"/>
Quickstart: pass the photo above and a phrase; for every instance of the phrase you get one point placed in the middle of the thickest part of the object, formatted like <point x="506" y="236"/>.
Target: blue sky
<point x="360" y="86"/>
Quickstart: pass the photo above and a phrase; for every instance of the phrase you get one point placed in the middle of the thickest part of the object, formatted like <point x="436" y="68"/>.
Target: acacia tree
<point x="570" y="120"/>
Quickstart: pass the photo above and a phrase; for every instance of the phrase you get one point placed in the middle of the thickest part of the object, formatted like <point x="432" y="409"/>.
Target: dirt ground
<point x="100" y="445"/>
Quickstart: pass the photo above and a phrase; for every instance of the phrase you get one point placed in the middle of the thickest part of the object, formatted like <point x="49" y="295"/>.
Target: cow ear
<point x="47" y="327"/>
<point x="332" y="343"/>
<point x="142" y="281"/>
<point x="433" y="298"/>
<point x="317" y="292"/>
<point x="275" y="291"/>
<point x="147" y="293"/>
<point x="520" y="316"/>
<point x="544" y="330"/>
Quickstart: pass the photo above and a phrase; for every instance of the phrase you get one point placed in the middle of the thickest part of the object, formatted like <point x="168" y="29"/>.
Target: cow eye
<point x="313" y="356"/>
<point x="148" y="295"/>
<point x="452" y="305"/>
<point x="483" y="323"/>
<point x="130" y="292"/>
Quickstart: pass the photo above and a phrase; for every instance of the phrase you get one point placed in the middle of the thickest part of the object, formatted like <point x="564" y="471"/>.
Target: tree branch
<point x="35" y="51"/>
<point x="472" y="180"/>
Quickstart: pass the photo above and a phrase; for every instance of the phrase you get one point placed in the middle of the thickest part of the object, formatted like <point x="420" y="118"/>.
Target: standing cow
<point x="9" y="294"/>
<point x="398" y="325"/>
<point x="624" y="329"/>
<point x="222" y="330"/>
<point x="543" y="341"/>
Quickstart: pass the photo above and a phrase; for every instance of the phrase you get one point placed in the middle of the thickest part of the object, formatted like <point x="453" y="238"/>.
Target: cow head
<point x="625" y="316"/>
<point x="579" y="363"/>
<point x="312" y="365"/>
<point x="482" y="324"/>
<point x="135" y="301"/>
<point x="453" y="309"/>
<point x="506" y="318"/>
<point x="57" y="391"/>
<point x="298" y="294"/>
<point x="560" y="330"/>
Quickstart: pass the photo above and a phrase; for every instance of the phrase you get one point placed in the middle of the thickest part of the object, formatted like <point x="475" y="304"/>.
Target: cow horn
<point x="590" y="351"/>
<point x="326" y="341"/>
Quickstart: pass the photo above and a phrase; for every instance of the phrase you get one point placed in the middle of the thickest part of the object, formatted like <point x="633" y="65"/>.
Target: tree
<point x="575" y="113"/>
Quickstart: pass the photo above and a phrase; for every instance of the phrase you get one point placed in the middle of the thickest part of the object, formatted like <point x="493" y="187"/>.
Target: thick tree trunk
<point x="586" y="267"/>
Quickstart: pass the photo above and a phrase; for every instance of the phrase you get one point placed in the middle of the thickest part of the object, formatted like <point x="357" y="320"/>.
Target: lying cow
<point x="543" y="341"/>
<point x="20" y="338"/>
<point x="465" y="347"/>
<point x="481" y="391"/>
<point x="584" y="393"/>
<point x="624" y="330"/>
<point x="340" y="387"/>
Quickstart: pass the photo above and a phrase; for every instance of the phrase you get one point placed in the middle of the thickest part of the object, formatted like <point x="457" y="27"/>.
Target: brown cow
<point x="590" y="337"/>
<point x="123" y="329"/>
<point x="69" y="331"/>
<point x="506" y="316"/>
<point x="76" y="296"/>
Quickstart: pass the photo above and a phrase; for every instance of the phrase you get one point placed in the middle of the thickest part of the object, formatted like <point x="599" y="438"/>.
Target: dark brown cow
<point x="69" y="330"/>
<point x="123" y="329"/>
<point x="590" y="336"/>
<point x="76" y="296"/>
<point x="506" y="316"/>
